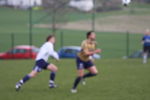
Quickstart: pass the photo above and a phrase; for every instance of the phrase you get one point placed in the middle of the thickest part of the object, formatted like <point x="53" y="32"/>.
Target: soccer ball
<point x="126" y="2"/>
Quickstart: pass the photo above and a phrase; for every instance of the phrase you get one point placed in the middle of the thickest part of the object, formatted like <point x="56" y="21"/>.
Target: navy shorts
<point x="39" y="65"/>
<point x="83" y="64"/>
<point x="146" y="49"/>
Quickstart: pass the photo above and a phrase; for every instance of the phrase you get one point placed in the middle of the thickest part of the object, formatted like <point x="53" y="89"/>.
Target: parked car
<point x="20" y="52"/>
<point x="71" y="52"/>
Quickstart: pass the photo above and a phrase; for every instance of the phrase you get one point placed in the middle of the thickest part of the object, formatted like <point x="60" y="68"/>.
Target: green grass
<point x="118" y="79"/>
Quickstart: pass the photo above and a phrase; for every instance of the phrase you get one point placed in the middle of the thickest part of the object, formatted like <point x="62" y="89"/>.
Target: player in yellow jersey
<point x="84" y="59"/>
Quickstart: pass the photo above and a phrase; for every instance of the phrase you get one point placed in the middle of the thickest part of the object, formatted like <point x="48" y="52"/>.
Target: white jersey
<point x="47" y="50"/>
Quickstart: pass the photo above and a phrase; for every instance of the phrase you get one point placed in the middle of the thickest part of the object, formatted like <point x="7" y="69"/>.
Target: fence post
<point x="61" y="39"/>
<point x="12" y="43"/>
<point x="93" y="16"/>
<point x="127" y="44"/>
<point x="12" y="40"/>
<point x="30" y="29"/>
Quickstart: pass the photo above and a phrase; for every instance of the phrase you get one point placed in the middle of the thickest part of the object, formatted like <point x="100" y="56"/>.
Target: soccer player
<point x="146" y="45"/>
<point x="41" y="63"/>
<point x="84" y="61"/>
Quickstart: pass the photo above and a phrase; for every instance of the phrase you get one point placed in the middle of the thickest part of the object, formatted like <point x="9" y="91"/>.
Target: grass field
<point x="118" y="80"/>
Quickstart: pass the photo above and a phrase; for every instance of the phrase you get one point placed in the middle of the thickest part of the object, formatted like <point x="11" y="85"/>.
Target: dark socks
<point x="78" y="79"/>
<point x="89" y="75"/>
<point x="76" y="82"/>
<point x="25" y="79"/>
<point x="52" y="76"/>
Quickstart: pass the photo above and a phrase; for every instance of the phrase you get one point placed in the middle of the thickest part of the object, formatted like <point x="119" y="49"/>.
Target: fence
<point x="115" y="26"/>
<point x="113" y="45"/>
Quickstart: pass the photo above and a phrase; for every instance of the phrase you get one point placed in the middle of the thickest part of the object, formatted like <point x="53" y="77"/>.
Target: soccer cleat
<point x="144" y="61"/>
<point x="83" y="82"/>
<point x="18" y="86"/>
<point x="73" y="90"/>
<point x="53" y="85"/>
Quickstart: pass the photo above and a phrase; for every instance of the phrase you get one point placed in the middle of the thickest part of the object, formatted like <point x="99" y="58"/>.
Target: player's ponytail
<point x="49" y="37"/>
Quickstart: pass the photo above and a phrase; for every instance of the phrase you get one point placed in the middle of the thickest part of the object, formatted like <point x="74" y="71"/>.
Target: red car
<point x="20" y="52"/>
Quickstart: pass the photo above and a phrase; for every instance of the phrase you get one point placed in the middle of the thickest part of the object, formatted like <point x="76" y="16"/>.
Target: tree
<point x="57" y="10"/>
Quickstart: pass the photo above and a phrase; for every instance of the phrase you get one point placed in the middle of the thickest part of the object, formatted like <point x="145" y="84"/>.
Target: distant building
<point x="21" y="3"/>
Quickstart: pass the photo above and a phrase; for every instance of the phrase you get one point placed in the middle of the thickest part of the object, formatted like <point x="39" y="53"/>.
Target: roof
<point x="25" y="46"/>
<point x="72" y="47"/>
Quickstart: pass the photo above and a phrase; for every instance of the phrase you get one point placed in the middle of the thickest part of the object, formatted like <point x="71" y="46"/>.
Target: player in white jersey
<point x="41" y="63"/>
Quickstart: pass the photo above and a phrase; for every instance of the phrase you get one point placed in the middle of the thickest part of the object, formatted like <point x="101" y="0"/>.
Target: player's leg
<point x="148" y="52"/>
<point x="145" y="54"/>
<point x="80" y="73"/>
<point x="79" y="78"/>
<point x="53" y="70"/>
<point x="26" y="78"/>
<point x="92" y="72"/>
<point x="91" y="68"/>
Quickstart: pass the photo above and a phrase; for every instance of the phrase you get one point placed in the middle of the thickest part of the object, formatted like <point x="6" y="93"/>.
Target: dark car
<point x="71" y="52"/>
<point x="20" y="52"/>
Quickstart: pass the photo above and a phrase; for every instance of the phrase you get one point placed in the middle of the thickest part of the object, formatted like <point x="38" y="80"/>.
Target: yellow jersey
<point x="87" y="45"/>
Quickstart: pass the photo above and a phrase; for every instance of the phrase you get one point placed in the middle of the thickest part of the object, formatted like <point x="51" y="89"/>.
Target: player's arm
<point x="87" y="52"/>
<point x="53" y="53"/>
<point x="91" y="52"/>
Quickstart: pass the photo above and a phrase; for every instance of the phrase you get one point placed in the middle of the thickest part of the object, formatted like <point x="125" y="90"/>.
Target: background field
<point x="118" y="80"/>
<point x="111" y="29"/>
